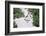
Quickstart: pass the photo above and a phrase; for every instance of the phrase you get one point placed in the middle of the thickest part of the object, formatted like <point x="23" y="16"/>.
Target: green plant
<point x="35" y="17"/>
<point x="18" y="13"/>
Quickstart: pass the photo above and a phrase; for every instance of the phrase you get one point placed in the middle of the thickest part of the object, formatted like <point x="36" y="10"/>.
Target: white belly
<point x="21" y="23"/>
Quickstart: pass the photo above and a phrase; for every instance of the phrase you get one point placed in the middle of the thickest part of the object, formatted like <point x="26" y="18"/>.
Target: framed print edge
<point x="7" y="18"/>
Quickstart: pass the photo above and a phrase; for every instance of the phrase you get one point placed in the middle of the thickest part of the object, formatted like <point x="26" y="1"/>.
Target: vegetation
<point x="18" y="13"/>
<point x="35" y="12"/>
<point x="35" y="17"/>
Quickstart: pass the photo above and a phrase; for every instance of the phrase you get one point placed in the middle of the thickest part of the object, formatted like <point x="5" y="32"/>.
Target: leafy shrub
<point x="18" y="13"/>
<point x="36" y="17"/>
<point x="35" y="13"/>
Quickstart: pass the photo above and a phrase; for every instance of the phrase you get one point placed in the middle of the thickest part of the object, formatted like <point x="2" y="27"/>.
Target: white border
<point x="25" y="29"/>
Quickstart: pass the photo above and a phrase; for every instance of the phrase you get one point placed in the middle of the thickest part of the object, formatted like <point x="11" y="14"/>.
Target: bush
<point x="36" y="17"/>
<point x="35" y="13"/>
<point x="18" y="13"/>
